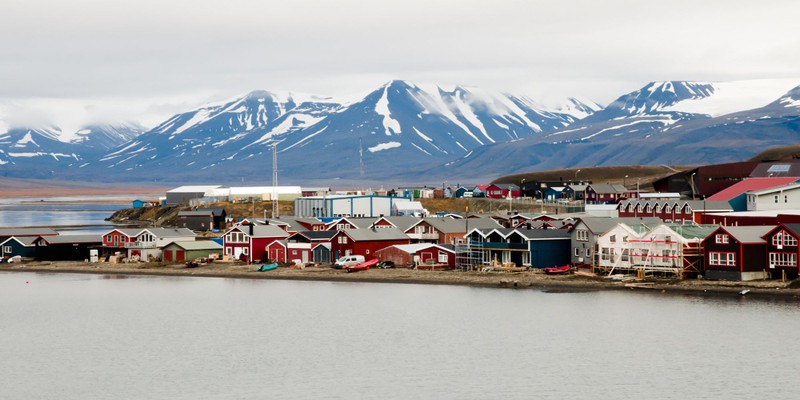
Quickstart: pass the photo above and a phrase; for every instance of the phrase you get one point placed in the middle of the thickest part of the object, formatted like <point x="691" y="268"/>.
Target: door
<point x="180" y="255"/>
<point x="304" y="257"/>
<point x="167" y="255"/>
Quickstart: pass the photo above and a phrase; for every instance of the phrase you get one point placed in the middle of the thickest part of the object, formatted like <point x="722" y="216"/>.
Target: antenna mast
<point x="275" y="180"/>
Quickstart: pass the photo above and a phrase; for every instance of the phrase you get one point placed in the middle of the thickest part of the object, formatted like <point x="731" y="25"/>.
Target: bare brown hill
<point x="627" y="175"/>
<point x="779" y="153"/>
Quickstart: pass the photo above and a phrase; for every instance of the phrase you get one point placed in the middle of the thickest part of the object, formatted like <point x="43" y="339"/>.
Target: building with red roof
<point x="736" y="196"/>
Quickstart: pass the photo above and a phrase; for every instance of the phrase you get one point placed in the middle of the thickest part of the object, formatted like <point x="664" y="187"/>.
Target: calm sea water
<point x="73" y="213"/>
<point x="100" y="337"/>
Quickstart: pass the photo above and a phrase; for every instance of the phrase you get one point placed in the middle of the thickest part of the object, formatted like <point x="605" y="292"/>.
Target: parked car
<point x="348" y="261"/>
<point x="386" y="264"/>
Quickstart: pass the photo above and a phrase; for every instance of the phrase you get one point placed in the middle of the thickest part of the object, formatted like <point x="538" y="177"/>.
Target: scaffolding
<point x="652" y="255"/>
<point x="469" y="256"/>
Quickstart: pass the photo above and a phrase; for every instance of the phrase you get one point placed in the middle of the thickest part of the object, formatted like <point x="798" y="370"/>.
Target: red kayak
<point x="363" y="266"/>
<point x="557" y="270"/>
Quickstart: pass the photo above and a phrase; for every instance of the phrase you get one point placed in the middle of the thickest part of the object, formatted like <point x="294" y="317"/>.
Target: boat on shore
<point x="268" y="267"/>
<point x="362" y="266"/>
<point x="563" y="269"/>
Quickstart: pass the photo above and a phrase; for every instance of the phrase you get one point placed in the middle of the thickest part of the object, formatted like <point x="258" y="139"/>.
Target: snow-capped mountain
<point x="36" y="151"/>
<point x="662" y="123"/>
<point x="406" y="123"/>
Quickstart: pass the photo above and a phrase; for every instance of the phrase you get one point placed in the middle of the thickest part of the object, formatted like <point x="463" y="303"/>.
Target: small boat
<point x="267" y="267"/>
<point x="362" y="267"/>
<point x="557" y="270"/>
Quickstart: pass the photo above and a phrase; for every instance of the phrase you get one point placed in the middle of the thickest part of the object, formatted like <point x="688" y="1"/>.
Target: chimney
<point x="251" y="229"/>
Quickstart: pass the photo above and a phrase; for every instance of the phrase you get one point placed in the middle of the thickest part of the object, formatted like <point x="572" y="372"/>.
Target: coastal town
<point x="732" y="222"/>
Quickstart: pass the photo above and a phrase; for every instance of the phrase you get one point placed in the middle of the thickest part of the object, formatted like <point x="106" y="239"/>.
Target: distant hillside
<point x="645" y="174"/>
<point x="778" y="153"/>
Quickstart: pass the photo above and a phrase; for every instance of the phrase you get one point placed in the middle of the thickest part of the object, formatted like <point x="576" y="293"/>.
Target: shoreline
<point x="506" y="280"/>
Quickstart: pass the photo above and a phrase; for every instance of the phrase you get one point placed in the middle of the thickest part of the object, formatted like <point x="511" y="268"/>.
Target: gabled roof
<point x="692" y="231"/>
<point x="745" y="234"/>
<point x="216" y="210"/>
<point x="605" y="188"/>
<point x="543" y="234"/>
<point x="66" y="239"/>
<point x="695" y="205"/>
<point x="169" y="232"/>
<point x="129" y="232"/>
<point x="25" y="241"/>
<point x="777" y="189"/>
<point x="375" y="234"/>
<point x="749" y="185"/>
<point x="198" y="245"/>
<point x="316" y="236"/>
<point x="194" y="189"/>
<point x="196" y="213"/>
<point x="449" y="225"/>
<point x="793" y="228"/>
<point x="261" y="231"/>
<point x="600" y="225"/>
<point x="415" y="247"/>
<point x="27" y="232"/>
<point x="402" y="222"/>
<point x="506" y="186"/>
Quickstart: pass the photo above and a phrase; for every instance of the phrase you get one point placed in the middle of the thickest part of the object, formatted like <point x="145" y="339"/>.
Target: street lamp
<point x="541" y="196"/>
<point x="576" y="175"/>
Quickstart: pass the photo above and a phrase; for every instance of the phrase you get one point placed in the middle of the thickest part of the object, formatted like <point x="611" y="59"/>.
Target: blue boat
<point x="267" y="267"/>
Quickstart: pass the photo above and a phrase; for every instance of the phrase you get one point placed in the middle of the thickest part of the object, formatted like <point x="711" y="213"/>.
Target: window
<point x="442" y="257"/>
<point x="783" y="238"/>
<point x="605" y="254"/>
<point x="7" y="249"/>
<point x="782" y="260"/>
<point x="582" y="235"/>
<point x="722" y="259"/>
<point x="294" y="252"/>
<point x="588" y="252"/>
<point x="721" y="239"/>
<point x="228" y="250"/>
<point x="776" y="198"/>
<point x="366" y="251"/>
<point x="625" y="254"/>
<point x="526" y="258"/>
<point x="577" y="252"/>
<point x="342" y="239"/>
<point x="644" y="254"/>
<point x="613" y="238"/>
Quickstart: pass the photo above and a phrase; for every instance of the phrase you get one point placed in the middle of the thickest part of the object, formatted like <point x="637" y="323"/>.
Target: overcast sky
<point x="149" y="59"/>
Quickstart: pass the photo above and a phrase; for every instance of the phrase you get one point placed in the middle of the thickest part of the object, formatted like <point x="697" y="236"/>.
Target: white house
<point x="778" y="198"/>
<point x="150" y="241"/>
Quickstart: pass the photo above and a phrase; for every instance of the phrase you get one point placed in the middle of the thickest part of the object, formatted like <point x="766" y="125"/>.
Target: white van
<point x="348" y="261"/>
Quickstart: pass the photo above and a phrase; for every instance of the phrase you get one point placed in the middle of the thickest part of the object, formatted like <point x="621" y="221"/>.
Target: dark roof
<point x="507" y="186"/>
<point x="26" y="241"/>
<point x="317" y="235"/>
<point x="27" y="232"/>
<point x="66" y="239"/>
<point x="748" y="234"/>
<point x="543" y="234"/>
<point x="376" y="234"/>
<point x="216" y="210"/>
<point x="794" y="228"/>
<point x="600" y="225"/>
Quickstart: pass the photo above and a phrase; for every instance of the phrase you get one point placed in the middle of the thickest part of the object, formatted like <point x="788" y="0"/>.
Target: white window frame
<point x="442" y="256"/>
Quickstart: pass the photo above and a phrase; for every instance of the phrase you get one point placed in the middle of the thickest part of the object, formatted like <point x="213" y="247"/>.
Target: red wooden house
<point x="366" y="242"/>
<point x="608" y="194"/>
<point x="116" y="240"/>
<point x="249" y="242"/>
<point x="671" y="211"/>
<point x="502" y="191"/>
<point x="420" y="255"/>
<point x="736" y="253"/>
<point x="276" y="252"/>
<point x="782" y="250"/>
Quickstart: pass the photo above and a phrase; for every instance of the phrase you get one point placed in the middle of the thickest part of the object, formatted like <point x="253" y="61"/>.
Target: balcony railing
<point x="139" y="245"/>
<point x="499" y="245"/>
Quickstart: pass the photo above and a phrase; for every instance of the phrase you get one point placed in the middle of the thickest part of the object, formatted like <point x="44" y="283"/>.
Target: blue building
<point x="535" y="248"/>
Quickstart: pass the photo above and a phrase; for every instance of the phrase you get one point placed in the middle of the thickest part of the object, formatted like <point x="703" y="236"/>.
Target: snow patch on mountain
<point x="390" y="125"/>
<point x="730" y="97"/>
<point x="384" y="146"/>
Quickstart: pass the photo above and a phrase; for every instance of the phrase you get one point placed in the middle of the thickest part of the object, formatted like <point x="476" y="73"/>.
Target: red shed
<point x="783" y="250"/>
<point x="421" y="255"/>
<point x="366" y="242"/>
